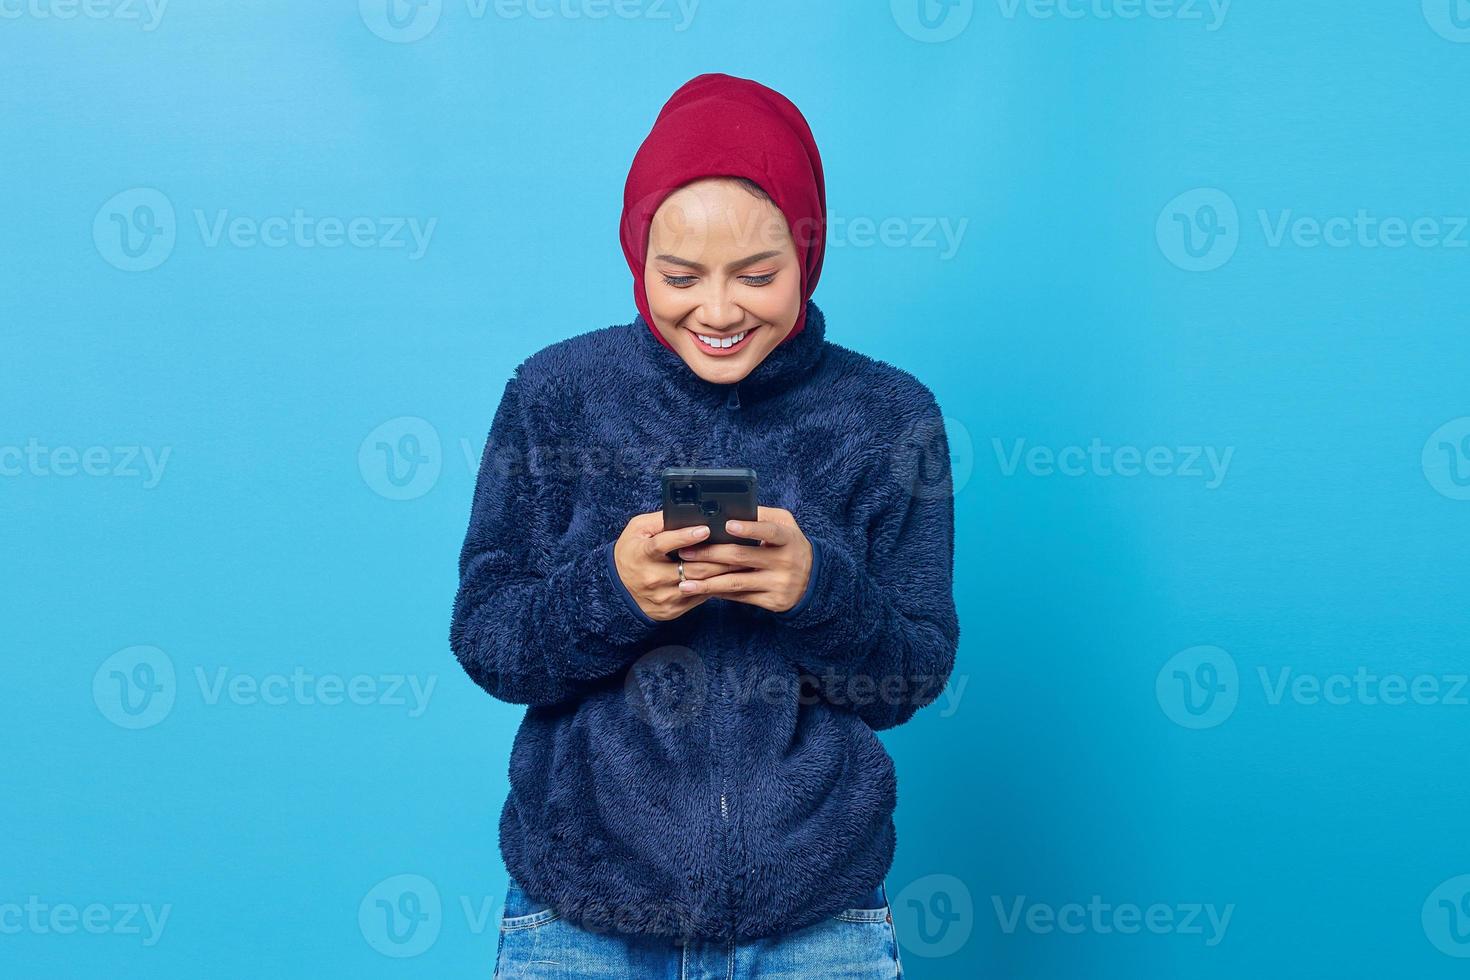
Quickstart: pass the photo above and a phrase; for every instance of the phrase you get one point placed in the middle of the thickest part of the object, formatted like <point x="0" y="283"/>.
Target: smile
<point x="723" y="346"/>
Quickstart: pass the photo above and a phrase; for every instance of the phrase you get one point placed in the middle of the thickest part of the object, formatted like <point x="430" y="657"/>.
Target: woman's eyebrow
<point x="738" y="264"/>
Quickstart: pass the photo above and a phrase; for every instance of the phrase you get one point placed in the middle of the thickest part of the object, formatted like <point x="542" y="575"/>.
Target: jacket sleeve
<point x="878" y="632"/>
<point x="526" y="630"/>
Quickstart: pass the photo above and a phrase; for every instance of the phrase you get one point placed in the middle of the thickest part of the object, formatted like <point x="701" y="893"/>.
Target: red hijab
<point x="718" y="125"/>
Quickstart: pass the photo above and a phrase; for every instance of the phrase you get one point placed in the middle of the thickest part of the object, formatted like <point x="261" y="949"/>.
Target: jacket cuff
<point x="624" y="607"/>
<point x="812" y="585"/>
<point x="832" y="588"/>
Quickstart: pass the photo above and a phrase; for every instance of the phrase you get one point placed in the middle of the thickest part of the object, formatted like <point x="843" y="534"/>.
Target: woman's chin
<point x="725" y="371"/>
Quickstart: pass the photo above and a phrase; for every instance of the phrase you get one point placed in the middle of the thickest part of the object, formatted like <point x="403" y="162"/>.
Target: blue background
<point x="1070" y="766"/>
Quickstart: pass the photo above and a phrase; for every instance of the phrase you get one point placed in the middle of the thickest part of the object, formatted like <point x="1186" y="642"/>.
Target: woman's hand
<point x="641" y="554"/>
<point x="772" y="575"/>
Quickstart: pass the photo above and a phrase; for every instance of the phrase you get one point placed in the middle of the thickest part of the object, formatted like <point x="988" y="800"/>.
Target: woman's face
<point x="721" y="266"/>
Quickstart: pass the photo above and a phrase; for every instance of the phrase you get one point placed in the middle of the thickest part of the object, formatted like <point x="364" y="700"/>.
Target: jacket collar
<point x="785" y="367"/>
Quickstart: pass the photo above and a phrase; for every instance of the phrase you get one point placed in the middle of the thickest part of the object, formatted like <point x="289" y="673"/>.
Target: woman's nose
<point x="719" y="315"/>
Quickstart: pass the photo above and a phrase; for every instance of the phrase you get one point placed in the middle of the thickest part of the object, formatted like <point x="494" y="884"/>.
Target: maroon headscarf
<point x="719" y="125"/>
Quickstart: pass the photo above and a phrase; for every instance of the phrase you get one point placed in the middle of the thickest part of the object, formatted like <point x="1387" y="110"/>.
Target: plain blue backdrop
<point x="1188" y="283"/>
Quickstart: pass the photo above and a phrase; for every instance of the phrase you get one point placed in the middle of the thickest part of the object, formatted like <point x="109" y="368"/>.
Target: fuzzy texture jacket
<point x="715" y="777"/>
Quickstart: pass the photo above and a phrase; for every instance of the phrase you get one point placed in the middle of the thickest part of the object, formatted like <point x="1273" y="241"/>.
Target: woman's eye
<point x="679" y="281"/>
<point x="758" y="280"/>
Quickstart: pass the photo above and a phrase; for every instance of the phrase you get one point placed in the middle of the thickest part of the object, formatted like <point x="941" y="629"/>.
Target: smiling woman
<point x="659" y="823"/>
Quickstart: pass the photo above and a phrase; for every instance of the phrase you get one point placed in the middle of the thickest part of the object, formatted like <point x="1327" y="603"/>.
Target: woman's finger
<point x="706" y="569"/>
<point x="748" y="555"/>
<point x="731" y="582"/>
<point x="664" y="542"/>
<point x="767" y="532"/>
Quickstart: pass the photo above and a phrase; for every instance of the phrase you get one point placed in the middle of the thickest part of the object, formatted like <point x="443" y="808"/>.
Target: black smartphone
<point x="697" y="495"/>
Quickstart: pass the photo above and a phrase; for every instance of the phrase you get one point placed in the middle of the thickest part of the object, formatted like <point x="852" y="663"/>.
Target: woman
<point x="696" y="784"/>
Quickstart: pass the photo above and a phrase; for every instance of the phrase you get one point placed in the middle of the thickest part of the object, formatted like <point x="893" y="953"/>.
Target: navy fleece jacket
<point x="716" y="776"/>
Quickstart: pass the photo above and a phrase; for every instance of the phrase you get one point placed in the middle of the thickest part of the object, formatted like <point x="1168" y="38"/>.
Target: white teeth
<point x="722" y="343"/>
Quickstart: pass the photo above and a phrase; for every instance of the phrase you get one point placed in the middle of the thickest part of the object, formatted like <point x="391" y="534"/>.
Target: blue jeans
<point x="536" y="942"/>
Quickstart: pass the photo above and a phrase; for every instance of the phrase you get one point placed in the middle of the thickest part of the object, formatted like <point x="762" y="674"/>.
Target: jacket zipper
<point x="732" y="403"/>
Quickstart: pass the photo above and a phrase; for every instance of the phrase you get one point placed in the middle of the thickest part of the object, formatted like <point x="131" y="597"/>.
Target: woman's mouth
<point x="722" y="346"/>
